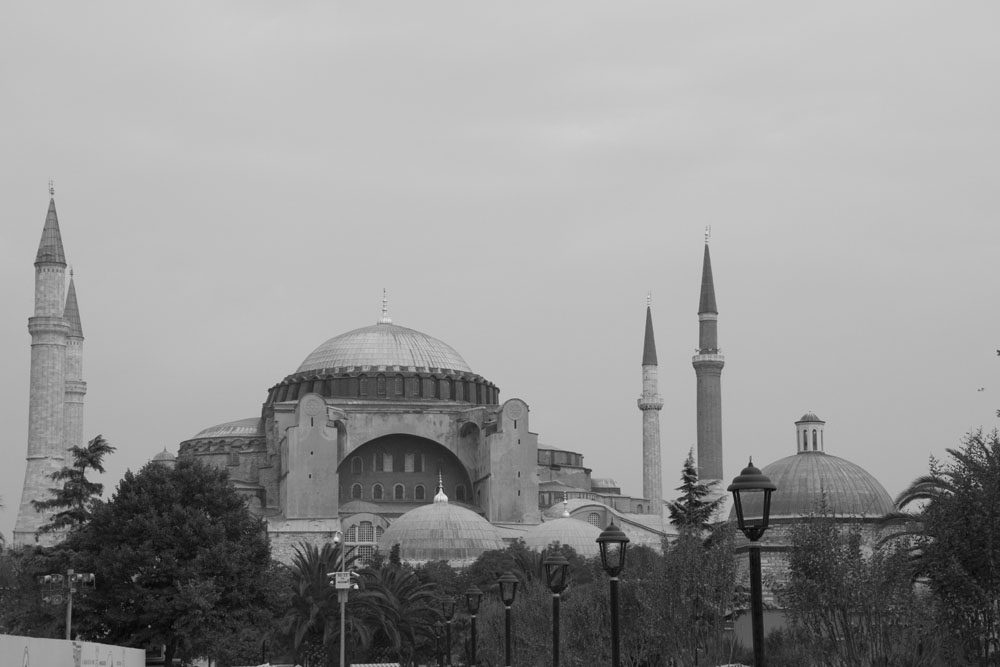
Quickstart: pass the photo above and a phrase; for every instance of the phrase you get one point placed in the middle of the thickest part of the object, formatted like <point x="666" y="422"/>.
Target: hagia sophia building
<point x="386" y="434"/>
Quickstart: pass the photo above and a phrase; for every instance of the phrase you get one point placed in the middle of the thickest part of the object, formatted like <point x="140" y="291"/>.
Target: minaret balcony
<point x="709" y="357"/>
<point x="650" y="403"/>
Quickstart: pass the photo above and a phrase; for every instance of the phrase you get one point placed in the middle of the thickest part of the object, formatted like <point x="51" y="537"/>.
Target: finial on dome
<point x="439" y="497"/>
<point x="649" y="298"/>
<point x="385" y="319"/>
<point x="52" y="188"/>
<point x="708" y="233"/>
<point x="565" y="507"/>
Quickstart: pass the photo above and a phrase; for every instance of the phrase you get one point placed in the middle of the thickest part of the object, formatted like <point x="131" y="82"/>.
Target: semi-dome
<point x="384" y="344"/>
<point x="808" y="478"/>
<point x="241" y="428"/>
<point x="580" y="535"/>
<point x="441" y="531"/>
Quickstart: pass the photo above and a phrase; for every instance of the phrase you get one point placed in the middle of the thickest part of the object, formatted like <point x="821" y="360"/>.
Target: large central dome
<point x="384" y="344"/>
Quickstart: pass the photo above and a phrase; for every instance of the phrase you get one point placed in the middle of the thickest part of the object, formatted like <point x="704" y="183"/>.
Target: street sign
<point x="342" y="580"/>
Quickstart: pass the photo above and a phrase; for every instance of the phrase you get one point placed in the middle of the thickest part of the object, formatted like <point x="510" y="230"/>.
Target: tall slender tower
<point x="75" y="388"/>
<point x="51" y="333"/>
<point x="708" y="363"/>
<point x="650" y="404"/>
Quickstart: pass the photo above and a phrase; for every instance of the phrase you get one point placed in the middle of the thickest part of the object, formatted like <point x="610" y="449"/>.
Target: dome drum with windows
<point x="386" y="361"/>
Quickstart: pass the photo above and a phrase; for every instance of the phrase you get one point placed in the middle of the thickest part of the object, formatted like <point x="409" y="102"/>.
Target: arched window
<point x="815" y="441"/>
<point x="419" y="493"/>
<point x="380" y="384"/>
<point x="418" y="462"/>
<point x="363" y="385"/>
<point x="366" y="532"/>
<point x="352" y="534"/>
<point x="356" y="492"/>
<point x="594" y="519"/>
<point x="398" y="493"/>
<point x="357" y="465"/>
<point x="397" y="385"/>
<point x="379" y="461"/>
<point x="638" y="509"/>
<point x="460" y="493"/>
<point x="377" y="492"/>
<point x="805" y="440"/>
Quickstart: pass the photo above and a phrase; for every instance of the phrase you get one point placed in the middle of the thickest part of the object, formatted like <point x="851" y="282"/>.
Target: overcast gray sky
<point x="236" y="183"/>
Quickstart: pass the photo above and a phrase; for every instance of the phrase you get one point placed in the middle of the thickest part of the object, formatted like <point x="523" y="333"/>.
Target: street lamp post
<point x="448" y="609"/>
<point x="556" y="569"/>
<point x="342" y="582"/>
<point x="508" y="589"/>
<point x="438" y="627"/>
<point x="613" y="543"/>
<point x="751" y="491"/>
<point x="71" y="579"/>
<point x="473" y="596"/>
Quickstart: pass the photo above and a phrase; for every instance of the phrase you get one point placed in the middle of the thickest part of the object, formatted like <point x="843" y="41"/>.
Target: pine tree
<point x="695" y="507"/>
<point x="75" y="498"/>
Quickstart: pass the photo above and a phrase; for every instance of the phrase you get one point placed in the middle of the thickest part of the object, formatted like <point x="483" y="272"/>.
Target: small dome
<point x="441" y="531"/>
<point x="165" y="456"/>
<point x="807" y="478"/>
<point x="242" y="428"/>
<point x="384" y="344"/>
<point x="580" y="535"/>
<point x="810" y="417"/>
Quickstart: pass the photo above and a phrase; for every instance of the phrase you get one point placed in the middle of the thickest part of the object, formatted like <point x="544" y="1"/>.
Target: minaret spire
<point x="650" y="405"/>
<point x="708" y="363"/>
<point x="50" y="332"/>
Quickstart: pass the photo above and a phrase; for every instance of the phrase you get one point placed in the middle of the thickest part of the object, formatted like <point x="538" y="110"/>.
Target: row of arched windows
<point x="399" y="492"/>
<point x="476" y="390"/>
<point x="386" y="462"/>
<point x="815" y="440"/>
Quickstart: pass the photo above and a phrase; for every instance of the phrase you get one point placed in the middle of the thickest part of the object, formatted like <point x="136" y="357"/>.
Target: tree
<point x="954" y="514"/>
<point x="855" y="605"/>
<point x="77" y="495"/>
<point x="179" y="561"/>
<point x="694" y="510"/>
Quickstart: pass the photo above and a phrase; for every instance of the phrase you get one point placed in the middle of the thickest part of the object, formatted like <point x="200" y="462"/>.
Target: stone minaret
<point x="76" y="388"/>
<point x="708" y="363"/>
<point x="50" y="331"/>
<point x="650" y="404"/>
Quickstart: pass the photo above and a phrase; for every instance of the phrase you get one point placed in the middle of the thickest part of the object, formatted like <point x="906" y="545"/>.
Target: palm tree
<point x="313" y="618"/>
<point x="412" y="606"/>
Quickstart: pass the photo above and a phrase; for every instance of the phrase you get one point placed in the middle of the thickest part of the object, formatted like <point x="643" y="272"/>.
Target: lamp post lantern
<point x="556" y="571"/>
<point x="751" y="491"/>
<point x="448" y="609"/>
<point x="508" y="589"/>
<point x="613" y="543"/>
<point x="473" y="596"/>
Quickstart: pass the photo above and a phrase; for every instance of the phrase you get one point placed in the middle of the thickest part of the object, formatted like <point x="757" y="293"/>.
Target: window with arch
<point x="638" y="509"/>
<point x="815" y="441"/>
<point x="356" y="492"/>
<point x="377" y="492"/>
<point x="594" y="519"/>
<point x="379" y="462"/>
<point x="419" y="493"/>
<point x="397" y="385"/>
<point x="460" y="493"/>
<point x="398" y="493"/>
<point x="363" y="385"/>
<point x="366" y="532"/>
<point x="418" y="462"/>
<point x="805" y="440"/>
<point x="357" y="465"/>
<point x="380" y="385"/>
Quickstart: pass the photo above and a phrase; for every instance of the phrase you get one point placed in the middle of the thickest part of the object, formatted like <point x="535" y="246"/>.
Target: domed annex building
<point x="808" y="481"/>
